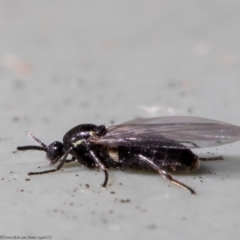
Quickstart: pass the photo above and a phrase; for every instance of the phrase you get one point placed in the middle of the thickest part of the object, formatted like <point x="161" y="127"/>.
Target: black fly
<point x="156" y="143"/>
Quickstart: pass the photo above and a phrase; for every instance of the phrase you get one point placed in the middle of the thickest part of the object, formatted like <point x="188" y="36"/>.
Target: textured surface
<point x="68" y="62"/>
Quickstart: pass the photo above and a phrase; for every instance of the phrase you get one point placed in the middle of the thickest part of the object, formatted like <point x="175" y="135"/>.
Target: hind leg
<point x="211" y="158"/>
<point x="164" y="173"/>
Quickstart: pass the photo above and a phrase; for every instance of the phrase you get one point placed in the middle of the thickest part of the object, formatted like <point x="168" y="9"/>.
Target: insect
<point x="162" y="144"/>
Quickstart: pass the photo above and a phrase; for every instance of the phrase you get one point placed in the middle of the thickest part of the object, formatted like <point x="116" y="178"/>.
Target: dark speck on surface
<point x="87" y="185"/>
<point x="125" y="200"/>
<point x="27" y="179"/>
<point x="112" y="192"/>
<point x="152" y="226"/>
<point x="15" y="119"/>
<point x="21" y="190"/>
<point x="3" y="139"/>
<point x="104" y="220"/>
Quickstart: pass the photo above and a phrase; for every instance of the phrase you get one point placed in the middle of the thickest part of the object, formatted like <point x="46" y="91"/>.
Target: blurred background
<point x="63" y="63"/>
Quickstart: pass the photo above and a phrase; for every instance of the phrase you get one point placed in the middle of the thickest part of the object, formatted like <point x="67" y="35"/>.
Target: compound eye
<point x="55" y="151"/>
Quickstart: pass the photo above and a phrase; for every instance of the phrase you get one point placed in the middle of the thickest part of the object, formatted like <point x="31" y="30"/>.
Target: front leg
<point x="62" y="161"/>
<point x="100" y="165"/>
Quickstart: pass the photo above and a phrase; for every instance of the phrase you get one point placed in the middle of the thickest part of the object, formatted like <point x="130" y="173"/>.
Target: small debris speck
<point x="27" y="179"/>
<point x="112" y="192"/>
<point x="21" y="190"/>
<point x="104" y="220"/>
<point x="125" y="200"/>
<point x="87" y="185"/>
<point x="15" y="119"/>
<point x="152" y="226"/>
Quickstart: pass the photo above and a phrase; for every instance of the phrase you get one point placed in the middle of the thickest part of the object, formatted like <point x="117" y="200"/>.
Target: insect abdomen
<point x="174" y="159"/>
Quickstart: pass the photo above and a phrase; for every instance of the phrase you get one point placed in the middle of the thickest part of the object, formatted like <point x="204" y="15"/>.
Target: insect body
<point x="161" y="144"/>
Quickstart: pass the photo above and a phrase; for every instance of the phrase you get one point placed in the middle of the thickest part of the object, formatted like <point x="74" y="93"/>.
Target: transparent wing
<point x="171" y="132"/>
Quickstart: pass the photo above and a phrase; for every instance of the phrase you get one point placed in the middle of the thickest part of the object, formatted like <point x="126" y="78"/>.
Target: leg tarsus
<point x="43" y="172"/>
<point x="106" y="179"/>
<point x="52" y="170"/>
<point x="176" y="182"/>
<point x="165" y="174"/>
<point x="211" y="158"/>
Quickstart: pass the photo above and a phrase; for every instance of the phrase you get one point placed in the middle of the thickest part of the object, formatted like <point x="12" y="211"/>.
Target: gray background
<point x="68" y="62"/>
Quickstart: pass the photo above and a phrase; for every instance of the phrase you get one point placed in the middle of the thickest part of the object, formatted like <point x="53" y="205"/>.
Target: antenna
<point x="31" y="147"/>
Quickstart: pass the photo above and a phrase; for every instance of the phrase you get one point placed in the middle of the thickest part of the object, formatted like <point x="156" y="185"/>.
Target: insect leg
<point x="211" y="158"/>
<point x="164" y="173"/>
<point x="100" y="165"/>
<point x="53" y="170"/>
